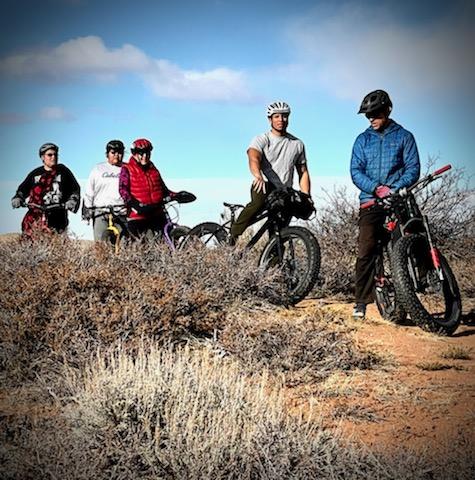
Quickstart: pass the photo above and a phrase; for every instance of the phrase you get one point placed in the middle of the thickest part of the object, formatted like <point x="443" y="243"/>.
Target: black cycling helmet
<point x="47" y="146"/>
<point x="374" y="101"/>
<point x="116" y="145"/>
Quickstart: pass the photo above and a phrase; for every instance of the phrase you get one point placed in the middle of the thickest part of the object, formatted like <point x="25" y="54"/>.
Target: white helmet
<point x="277" y="107"/>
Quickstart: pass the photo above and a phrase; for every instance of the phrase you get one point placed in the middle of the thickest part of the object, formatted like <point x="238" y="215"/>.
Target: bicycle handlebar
<point x="403" y="191"/>
<point x="52" y="206"/>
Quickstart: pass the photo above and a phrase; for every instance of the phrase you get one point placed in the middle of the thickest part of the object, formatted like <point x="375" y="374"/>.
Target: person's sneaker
<point x="359" y="310"/>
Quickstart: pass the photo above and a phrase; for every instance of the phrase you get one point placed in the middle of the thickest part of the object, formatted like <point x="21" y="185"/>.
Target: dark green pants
<point x="250" y="211"/>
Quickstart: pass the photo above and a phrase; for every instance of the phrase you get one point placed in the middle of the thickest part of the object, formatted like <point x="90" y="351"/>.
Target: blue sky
<point x="195" y="76"/>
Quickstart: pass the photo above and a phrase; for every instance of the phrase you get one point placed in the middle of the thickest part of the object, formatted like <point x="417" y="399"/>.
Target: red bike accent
<point x="391" y="226"/>
<point x="434" y="253"/>
<point x="442" y="170"/>
<point x="368" y="204"/>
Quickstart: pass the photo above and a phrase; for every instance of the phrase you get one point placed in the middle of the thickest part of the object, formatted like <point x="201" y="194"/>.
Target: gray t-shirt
<point x="280" y="155"/>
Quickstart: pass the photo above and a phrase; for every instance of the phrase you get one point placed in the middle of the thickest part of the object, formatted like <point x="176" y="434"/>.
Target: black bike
<point x="422" y="283"/>
<point x="293" y="248"/>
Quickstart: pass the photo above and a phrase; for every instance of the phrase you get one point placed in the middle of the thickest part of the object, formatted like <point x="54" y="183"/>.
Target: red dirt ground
<point x="421" y="400"/>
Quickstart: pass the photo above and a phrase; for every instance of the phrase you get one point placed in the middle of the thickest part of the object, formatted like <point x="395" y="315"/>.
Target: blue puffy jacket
<point x="388" y="158"/>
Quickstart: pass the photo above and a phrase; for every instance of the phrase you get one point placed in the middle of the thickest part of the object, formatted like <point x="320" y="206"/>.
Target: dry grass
<point x="175" y="414"/>
<point x="457" y="352"/>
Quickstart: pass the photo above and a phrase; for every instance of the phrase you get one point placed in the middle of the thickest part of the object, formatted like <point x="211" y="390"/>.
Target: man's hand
<point x="383" y="191"/>
<point x="259" y="184"/>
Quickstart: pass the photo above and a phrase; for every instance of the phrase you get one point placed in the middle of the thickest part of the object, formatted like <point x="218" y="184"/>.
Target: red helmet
<point x="141" y="144"/>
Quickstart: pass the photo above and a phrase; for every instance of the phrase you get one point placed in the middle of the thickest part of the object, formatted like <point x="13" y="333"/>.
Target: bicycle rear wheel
<point x="389" y="306"/>
<point x="299" y="259"/>
<point x="210" y="234"/>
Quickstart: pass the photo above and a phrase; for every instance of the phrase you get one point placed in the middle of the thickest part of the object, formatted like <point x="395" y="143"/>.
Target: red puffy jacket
<point x="146" y="185"/>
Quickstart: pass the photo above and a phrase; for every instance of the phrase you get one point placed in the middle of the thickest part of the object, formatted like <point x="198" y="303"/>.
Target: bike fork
<point x="434" y="253"/>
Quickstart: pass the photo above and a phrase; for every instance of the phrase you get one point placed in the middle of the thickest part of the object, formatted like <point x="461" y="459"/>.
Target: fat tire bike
<point x="294" y="249"/>
<point x="173" y="234"/>
<point x="422" y="283"/>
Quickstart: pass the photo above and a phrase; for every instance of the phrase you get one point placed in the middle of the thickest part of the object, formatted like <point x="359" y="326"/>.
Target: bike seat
<point x="233" y="206"/>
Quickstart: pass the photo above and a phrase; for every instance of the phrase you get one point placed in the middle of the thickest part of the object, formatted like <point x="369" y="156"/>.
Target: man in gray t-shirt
<point x="273" y="157"/>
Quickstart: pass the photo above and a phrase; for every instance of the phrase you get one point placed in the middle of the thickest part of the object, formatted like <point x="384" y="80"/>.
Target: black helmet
<point x="377" y="100"/>
<point x="47" y="146"/>
<point x="116" y="145"/>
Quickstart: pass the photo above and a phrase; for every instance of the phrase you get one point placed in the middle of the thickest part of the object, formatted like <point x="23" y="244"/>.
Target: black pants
<point x="371" y="230"/>
<point x="147" y="228"/>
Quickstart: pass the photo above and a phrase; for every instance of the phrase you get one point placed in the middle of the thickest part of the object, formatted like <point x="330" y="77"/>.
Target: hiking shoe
<point x="359" y="310"/>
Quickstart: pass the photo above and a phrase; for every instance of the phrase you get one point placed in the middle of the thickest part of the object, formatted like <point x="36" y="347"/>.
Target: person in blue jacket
<point x="384" y="159"/>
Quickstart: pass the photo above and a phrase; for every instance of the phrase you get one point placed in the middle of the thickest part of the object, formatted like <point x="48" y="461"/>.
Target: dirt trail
<point x="421" y="399"/>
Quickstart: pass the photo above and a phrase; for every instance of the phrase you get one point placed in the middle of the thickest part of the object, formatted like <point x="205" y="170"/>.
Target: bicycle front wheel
<point x="179" y="234"/>
<point x="210" y="234"/>
<point x="431" y="297"/>
<point x="297" y="252"/>
<point x="113" y="238"/>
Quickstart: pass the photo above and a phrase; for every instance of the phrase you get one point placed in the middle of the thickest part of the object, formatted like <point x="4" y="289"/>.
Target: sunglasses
<point x="119" y="152"/>
<point x="140" y="151"/>
<point x="376" y="114"/>
<point x="51" y="154"/>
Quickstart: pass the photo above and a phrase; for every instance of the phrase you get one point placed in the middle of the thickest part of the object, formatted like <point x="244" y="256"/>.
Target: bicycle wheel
<point x="179" y="234"/>
<point x="389" y="306"/>
<point x="209" y="233"/>
<point x="433" y="303"/>
<point x="300" y="260"/>
<point x="113" y="238"/>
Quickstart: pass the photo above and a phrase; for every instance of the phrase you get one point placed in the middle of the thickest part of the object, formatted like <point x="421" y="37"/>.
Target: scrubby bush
<point x="167" y="414"/>
<point x="65" y="298"/>
<point x="303" y="349"/>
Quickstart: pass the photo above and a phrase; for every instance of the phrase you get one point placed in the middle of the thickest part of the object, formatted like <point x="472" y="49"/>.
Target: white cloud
<point x="54" y="113"/>
<point x="357" y="47"/>
<point x="89" y="57"/>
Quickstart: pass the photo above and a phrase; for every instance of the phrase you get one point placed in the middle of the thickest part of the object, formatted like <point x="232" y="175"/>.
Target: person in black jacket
<point x="50" y="186"/>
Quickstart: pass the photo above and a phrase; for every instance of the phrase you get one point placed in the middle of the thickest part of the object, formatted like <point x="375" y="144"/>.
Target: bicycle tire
<point x="179" y="234"/>
<point x="111" y="238"/>
<point x="210" y="234"/>
<point x="412" y="252"/>
<point x="300" y="274"/>
<point x="387" y="302"/>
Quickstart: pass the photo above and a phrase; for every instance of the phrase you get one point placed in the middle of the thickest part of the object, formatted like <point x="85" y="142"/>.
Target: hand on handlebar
<point x="17" y="202"/>
<point x="383" y="191"/>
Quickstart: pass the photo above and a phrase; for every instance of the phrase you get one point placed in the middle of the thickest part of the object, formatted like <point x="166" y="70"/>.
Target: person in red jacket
<point x="143" y="191"/>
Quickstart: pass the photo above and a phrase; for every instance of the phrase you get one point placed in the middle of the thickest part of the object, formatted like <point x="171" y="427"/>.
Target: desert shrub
<point x="301" y="348"/>
<point x="183" y="414"/>
<point x="63" y="298"/>
<point x="449" y="204"/>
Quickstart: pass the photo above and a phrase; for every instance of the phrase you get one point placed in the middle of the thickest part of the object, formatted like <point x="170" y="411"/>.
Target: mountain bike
<point x="422" y="282"/>
<point x="116" y="226"/>
<point x="43" y="224"/>
<point x="292" y="248"/>
<point x="172" y="232"/>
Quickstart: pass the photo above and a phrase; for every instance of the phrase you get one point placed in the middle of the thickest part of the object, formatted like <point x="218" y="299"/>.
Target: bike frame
<point x="405" y="217"/>
<point x="44" y="210"/>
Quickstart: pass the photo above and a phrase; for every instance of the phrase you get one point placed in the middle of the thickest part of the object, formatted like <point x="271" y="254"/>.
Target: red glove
<point x="383" y="191"/>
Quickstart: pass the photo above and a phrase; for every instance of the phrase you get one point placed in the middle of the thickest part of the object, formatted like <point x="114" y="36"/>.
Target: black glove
<point x="17" y="202"/>
<point x="86" y="213"/>
<point x="141" y="208"/>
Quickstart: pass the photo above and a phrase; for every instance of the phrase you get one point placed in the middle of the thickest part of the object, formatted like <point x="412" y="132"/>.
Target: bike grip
<point x="442" y="170"/>
<point x="368" y="204"/>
